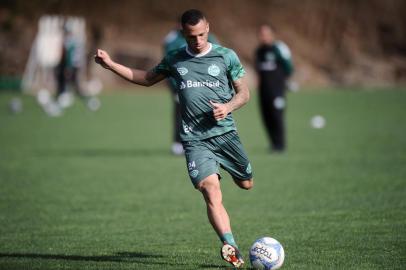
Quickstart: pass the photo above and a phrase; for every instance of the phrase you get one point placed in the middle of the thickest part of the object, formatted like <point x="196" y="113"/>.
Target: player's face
<point x="196" y="36"/>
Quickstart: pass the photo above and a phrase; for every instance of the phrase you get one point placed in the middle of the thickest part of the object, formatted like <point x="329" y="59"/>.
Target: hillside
<point x="344" y="42"/>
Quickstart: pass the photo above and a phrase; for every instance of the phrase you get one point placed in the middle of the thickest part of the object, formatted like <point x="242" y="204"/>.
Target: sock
<point x="229" y="239"/>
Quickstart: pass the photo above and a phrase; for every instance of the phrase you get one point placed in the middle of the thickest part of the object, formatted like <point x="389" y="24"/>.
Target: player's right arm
<point x="137" y="76"/>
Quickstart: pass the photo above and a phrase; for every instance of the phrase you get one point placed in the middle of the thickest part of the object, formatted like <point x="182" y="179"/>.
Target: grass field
<point x="101" y="190"/>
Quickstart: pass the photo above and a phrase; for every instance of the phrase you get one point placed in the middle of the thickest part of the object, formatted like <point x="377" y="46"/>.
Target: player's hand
<point x="103" y="58"/>
<point x="220" y="111"/>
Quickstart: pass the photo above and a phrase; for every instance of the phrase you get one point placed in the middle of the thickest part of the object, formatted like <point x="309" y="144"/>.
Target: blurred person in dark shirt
<point x="274" y="66"/>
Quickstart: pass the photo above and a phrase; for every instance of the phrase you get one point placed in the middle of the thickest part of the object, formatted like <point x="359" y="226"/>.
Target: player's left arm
<point x="241" y="97"/>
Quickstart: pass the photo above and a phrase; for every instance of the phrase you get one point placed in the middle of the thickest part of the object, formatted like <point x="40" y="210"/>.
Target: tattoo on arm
<point x="242" y="95"/>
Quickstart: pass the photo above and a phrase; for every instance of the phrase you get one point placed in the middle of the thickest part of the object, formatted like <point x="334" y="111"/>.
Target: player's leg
<point x="92" y="102"/>
<point x="177" y="120"/>
<point x="177" y="147"/>
<point x="276" y="108"/>
<point x="60" y="80"/>
<point x="278" y="132"/>
<point x="203" y="169"/>
<point x="219" y="219"/>
<point x="244" y="183"/>
<point x="73" y="79"/>
<point x="217" y="214"/>
<point x="265" y="103"/>
<point x="234" y="159"/>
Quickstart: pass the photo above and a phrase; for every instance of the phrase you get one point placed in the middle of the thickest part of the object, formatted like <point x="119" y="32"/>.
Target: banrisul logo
<point x="213" y="70"/>
<point x="182" y="70"/>
<point x="194" y="84"/>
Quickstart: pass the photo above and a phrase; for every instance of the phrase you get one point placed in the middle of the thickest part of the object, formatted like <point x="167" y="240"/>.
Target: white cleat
<point x="231" y="255"/>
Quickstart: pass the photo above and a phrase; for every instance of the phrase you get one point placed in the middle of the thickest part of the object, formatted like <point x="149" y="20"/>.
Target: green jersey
<point x="175" y="40"/>
<point x="200" y="79"/>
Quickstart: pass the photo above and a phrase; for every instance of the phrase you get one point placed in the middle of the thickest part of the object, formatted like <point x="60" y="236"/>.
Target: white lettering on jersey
<point x="187" y="128"/>
<point x="195" y="84"/>
<point x="191" y="165"/>
<point x="269" y="63"/>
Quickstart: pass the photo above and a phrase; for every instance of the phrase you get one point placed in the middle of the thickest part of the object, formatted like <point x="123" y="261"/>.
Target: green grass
<point x="101" y="191"/>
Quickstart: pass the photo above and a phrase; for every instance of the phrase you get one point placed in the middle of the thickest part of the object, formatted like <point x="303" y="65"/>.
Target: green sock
<point x="229" y="239"/>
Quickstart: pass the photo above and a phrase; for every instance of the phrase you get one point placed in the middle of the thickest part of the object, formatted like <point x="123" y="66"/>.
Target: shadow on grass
<point x="139" y="152"/>
<point x="216" y="266"/>
<point x="130" y="257"/>
<point x="121" y="257"/>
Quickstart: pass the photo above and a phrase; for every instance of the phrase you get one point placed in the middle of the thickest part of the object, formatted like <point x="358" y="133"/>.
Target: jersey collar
<point x="199" y="54"/>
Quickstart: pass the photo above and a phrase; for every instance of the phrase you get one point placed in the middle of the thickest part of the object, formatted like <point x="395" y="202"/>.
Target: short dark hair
<point x="192" y="17"/>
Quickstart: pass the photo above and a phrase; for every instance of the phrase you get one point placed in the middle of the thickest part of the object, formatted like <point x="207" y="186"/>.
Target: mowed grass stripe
<point x="101" y="190"/>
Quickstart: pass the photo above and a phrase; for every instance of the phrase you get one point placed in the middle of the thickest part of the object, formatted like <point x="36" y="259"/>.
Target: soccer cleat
<point x="231" y="255"/>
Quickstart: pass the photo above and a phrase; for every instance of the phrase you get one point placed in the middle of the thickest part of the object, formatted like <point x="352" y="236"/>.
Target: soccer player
<point x="173" y="41"/>
<point x="210" y="86"/>
<point x="274" y="66"/>
<point x="68" y="69"/>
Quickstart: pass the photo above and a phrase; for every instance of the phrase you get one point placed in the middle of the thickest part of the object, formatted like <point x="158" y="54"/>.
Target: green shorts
<point x="204" y="157"/>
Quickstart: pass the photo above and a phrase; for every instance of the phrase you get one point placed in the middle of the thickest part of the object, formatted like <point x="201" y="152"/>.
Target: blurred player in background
<point x="67" y="71"/>
<point x="174" y="40"/>
<point x="210" y="86"/>
<point x="274" y="66"/>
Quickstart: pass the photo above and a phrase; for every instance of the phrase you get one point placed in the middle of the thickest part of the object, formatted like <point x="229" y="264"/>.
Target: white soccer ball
<point x="318" y="121"/>
<point x="267" y="253"/>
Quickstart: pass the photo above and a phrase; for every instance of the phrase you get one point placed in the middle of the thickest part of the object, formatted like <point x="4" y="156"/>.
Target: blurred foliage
<point x="345" y="42"/>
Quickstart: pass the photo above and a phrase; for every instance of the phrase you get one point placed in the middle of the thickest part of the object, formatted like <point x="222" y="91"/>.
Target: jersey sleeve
<point x="162" y="67"/>
<point x="285" y="57"/>
<point x="234" y="68"/>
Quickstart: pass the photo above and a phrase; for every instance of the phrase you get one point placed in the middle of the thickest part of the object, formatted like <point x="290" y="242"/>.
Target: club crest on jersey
<point x="213" y="70"/>
<point x="182" y="70"/>
<point x="194" y="173"/>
